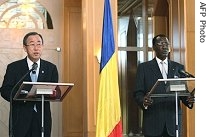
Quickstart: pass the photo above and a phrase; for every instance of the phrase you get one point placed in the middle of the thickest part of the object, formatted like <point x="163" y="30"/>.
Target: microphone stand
<point x="34" y="67"/>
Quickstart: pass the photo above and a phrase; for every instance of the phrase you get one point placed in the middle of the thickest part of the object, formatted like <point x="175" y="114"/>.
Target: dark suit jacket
<point x="22" y="111"/>
<point x="162" y="111"/>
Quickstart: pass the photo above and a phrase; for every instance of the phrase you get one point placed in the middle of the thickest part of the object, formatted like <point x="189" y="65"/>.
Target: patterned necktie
<point x="33" y="73"/>
<point x="34" y="79"/>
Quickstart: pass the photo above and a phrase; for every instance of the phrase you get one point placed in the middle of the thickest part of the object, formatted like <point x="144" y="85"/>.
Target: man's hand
<point x="147" y="101"/>
<point x="191" y="99"/>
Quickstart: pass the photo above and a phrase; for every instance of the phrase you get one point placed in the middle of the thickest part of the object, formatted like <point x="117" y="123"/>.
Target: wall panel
<point x="73" y="72"/>
<point x="11" y="49"/>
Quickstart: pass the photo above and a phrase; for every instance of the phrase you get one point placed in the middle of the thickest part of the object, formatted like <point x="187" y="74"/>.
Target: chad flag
<point x="109" y="112"/>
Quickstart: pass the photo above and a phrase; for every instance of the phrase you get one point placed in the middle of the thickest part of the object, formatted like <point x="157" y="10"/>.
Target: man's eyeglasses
<point x="163" y="44"/>
<point x="35" y="45"/>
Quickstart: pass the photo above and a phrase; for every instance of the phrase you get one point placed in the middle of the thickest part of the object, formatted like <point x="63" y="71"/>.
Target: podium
<point x="175" y="87"/>
<point x="43" y="91"/>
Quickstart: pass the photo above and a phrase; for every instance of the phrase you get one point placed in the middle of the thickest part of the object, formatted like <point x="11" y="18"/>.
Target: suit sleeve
<point x="8" y="83"/>
<point x="184" y="99"/>
<point x="139" y="92"/>
<point x="54" y="74"/>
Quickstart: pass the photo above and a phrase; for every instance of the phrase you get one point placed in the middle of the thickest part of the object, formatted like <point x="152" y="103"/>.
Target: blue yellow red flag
<point x="109" y="122"/>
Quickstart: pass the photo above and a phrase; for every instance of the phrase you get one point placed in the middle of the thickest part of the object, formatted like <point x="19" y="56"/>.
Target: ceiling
<point x="154" y="7"/>
<point x="125" y="7"/>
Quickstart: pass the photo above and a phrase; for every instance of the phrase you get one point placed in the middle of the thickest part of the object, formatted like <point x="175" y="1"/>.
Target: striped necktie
<point x="34" y="79"/>
<point x="33" y="73"/>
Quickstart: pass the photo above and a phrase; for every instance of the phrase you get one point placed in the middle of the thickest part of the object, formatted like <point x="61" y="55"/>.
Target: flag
<point x="109" y="122"/>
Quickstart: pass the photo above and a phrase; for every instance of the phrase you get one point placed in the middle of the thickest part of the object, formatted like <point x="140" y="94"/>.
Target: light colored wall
<point x="73" y="105"/>
<point x="190" y="57"/>
<point x="11" y="50"/>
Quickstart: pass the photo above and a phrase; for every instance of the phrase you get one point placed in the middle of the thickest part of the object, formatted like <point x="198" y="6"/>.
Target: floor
<point x="133" y="135"/>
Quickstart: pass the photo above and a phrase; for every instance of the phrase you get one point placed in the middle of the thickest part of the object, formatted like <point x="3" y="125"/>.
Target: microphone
<point x="186" y="74"/>
<point x="34" y="67"/>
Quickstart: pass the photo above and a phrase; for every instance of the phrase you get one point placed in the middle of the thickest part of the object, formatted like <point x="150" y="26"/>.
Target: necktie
<point x="33" y="74"/>
<point x="164" y="73"/>
<point x="34" y="79"/>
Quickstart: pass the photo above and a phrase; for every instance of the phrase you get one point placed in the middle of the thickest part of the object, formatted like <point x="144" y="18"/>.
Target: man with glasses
<point x="27" y="115"/>
<point x="159" y="114"/>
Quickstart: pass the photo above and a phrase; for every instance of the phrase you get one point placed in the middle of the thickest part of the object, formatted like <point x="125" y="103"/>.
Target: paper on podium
<point x="183" y="86"/>
<point x="32" y="91"/>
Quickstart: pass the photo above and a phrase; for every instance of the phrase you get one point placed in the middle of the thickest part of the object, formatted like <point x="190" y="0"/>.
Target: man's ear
<point x="154" y="48"/>
<point x="24" y="47"/>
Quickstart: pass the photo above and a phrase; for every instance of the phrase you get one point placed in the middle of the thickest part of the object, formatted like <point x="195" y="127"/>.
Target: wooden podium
<point x="43" y="91"/>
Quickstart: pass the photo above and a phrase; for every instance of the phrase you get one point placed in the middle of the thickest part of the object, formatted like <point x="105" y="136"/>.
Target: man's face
<point x="161" y="47"/>
<point x="34" y="47"/>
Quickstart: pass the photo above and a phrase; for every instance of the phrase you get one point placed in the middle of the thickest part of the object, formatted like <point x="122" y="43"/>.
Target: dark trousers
<point x="35" y="129"/>
<point x="164" y="134"/>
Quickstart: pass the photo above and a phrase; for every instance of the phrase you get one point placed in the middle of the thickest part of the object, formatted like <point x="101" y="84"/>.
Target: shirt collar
<point x="30" y="63"/>
<point x="159" y="60"/>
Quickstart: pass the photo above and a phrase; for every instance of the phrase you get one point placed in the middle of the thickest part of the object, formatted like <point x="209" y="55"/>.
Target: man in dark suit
<point x="27" y="115"/>
<point x="159" y="114"/>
